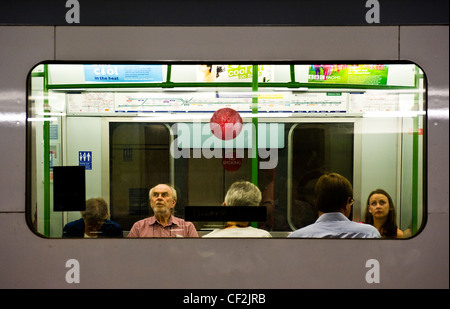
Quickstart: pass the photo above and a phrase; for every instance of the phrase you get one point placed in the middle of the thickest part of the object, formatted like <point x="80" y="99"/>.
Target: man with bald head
<point x="163" y="224"/>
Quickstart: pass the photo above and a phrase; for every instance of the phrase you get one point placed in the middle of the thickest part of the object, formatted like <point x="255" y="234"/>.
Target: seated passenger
<point x="163" y="224"/>
<point x="334" y="199"/>
<point x="380" y="212"/>
<point x="93" y="223"/>
<point x="241" y="193"/>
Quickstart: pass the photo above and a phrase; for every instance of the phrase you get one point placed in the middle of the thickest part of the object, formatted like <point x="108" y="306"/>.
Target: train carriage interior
<point x="129" y="126"/>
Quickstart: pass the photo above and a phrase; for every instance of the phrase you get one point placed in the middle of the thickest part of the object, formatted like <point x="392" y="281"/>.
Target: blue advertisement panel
<point x="122" y="73"/>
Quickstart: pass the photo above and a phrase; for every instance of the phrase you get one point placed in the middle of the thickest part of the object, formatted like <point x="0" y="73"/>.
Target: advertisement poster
<point x="361" y="74"/>
<point x="233" y="73"/>
<point x="122" y="73"/>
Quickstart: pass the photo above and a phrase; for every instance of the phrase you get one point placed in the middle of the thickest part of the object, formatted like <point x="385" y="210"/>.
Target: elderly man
<point x="163" y="224"/>
<point x="241" y="193"/>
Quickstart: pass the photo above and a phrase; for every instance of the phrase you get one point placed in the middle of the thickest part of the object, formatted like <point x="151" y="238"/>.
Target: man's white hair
<point x="243" y="193"/>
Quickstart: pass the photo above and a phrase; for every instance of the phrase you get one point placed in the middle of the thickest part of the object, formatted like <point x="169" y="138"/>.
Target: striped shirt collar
<point x="172" y="220"/>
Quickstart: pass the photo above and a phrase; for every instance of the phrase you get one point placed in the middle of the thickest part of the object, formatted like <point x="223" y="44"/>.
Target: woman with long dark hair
<point x="380" y="212"/>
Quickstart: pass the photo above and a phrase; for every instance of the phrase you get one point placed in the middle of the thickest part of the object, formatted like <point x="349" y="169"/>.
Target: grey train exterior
<point x="30" y="261"/>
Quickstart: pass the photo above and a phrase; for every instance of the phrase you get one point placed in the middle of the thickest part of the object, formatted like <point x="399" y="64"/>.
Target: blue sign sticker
<point x="85" y="159"/>
<point x="122" y="73"/>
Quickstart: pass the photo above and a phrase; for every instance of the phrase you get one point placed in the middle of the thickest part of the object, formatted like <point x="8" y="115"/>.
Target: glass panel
<point x="317" y="148"/>
<point x="131" y="127"/>
<point x="139" y="160"/>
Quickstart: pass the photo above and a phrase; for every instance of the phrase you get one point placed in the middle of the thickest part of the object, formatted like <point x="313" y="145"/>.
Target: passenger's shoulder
<point x="181" y="221"/>
<point x="74" y="223"/>
<point x="142" y="221"/>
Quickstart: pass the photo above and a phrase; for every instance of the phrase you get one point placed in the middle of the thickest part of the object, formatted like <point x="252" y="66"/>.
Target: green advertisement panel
<point x="361" y="74"/>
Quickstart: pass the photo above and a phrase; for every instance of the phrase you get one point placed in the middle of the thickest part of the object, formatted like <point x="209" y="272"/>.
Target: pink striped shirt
<point x="150" y="227"/>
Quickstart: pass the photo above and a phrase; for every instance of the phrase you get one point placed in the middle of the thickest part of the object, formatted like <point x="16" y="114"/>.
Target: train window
<point x="315" y="149"/>
<point x="107" y="133"/>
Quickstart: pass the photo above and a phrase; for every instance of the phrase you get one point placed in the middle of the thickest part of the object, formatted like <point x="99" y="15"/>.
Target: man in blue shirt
<point x="334" y="199"/>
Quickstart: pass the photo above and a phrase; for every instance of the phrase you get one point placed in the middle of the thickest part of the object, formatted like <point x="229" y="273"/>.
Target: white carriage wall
<point x="30" y="261"/>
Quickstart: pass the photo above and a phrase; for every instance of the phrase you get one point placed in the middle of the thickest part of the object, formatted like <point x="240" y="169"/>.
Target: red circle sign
<point x="226" y="123"/>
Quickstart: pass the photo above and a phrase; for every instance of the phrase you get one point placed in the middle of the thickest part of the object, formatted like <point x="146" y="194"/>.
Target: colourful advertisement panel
<point x="233" y="73"/>
<point x="360" y="74"/>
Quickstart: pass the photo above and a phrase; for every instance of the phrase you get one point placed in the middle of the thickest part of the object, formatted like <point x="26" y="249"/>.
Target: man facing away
<point x="334" y="200"/>
<point x="240" y="193"/>
<point x="163" y="224"/>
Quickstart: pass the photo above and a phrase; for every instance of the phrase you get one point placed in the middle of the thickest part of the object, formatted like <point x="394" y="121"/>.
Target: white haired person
<point x="163" y="198"/>
<point x="241" y="193"/>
